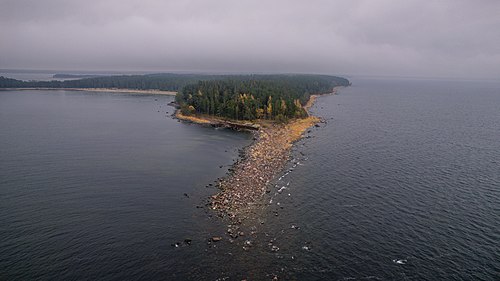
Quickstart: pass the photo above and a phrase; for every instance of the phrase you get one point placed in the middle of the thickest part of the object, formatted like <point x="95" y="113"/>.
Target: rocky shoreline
<point x="261" y="162"/>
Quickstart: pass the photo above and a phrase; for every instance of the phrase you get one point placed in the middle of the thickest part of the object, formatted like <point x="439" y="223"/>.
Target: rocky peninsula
<point x="266" y="157"/>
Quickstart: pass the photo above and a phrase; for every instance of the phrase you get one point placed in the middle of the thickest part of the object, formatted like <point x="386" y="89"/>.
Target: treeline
<point x="241" y="97"/>
<point x="276" y="97"/>
<point x="166" y="82"/>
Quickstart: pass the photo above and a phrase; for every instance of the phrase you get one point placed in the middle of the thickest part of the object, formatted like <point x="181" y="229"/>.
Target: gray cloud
<point x="447" y="38"/>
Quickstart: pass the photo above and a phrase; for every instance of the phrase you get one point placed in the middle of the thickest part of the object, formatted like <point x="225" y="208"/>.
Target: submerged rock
<point x="216" y="238"/>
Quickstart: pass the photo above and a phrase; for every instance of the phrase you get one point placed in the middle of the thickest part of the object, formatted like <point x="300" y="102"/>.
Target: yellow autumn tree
<point x="283" y="106"/>
<point x="269" y="108"/>
<point x="259" y="113"/>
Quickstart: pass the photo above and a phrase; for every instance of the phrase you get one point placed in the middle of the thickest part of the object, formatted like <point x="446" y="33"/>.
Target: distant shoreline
<point x="107" y="90"/>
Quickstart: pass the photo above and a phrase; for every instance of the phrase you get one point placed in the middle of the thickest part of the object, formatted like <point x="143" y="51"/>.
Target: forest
<point x="275" y="97"/>
<point x="241" y="97"/>
<point x="162" y="81"/>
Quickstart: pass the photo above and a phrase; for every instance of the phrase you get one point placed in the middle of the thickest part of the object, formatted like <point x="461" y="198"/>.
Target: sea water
<point x="401" y="182"/>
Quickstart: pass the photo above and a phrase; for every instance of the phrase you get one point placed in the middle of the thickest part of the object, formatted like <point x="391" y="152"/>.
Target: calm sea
<point x="402" y="182"/>
<point x="92" y="186"/>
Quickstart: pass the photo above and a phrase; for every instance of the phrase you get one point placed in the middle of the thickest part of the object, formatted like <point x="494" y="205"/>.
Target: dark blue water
<point x="92" y="186"/>
<point x="401" y="183"/>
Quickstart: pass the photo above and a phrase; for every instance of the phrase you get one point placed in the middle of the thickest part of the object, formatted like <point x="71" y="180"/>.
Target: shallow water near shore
<point x="401" y="183"/>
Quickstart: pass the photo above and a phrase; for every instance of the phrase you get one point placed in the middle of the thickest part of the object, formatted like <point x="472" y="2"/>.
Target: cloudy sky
<point x="442" y="38"/>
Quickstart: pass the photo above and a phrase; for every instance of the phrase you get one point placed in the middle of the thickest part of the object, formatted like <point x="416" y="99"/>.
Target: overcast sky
<point x="446" y="38"/>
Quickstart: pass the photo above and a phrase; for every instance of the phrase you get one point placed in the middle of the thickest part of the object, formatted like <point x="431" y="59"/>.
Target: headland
<point x="265" y="158"/>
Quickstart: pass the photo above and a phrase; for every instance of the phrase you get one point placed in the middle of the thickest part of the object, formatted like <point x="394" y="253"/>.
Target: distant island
<point x="74" y="76"/>
<point x="273" y="107"/>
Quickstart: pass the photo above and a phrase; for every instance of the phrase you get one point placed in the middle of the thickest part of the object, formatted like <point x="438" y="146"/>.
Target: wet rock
<point x="188" y="241"/>
<point x="185" y="194"/>
<point x="232" y="233"/>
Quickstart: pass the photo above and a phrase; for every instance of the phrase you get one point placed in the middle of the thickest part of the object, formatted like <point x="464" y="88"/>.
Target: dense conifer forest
<point x="277" y="97"/>
<point x="241" y="97"/>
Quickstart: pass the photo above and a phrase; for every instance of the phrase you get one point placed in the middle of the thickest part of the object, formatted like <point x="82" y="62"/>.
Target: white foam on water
<point x="399" y="261"/>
